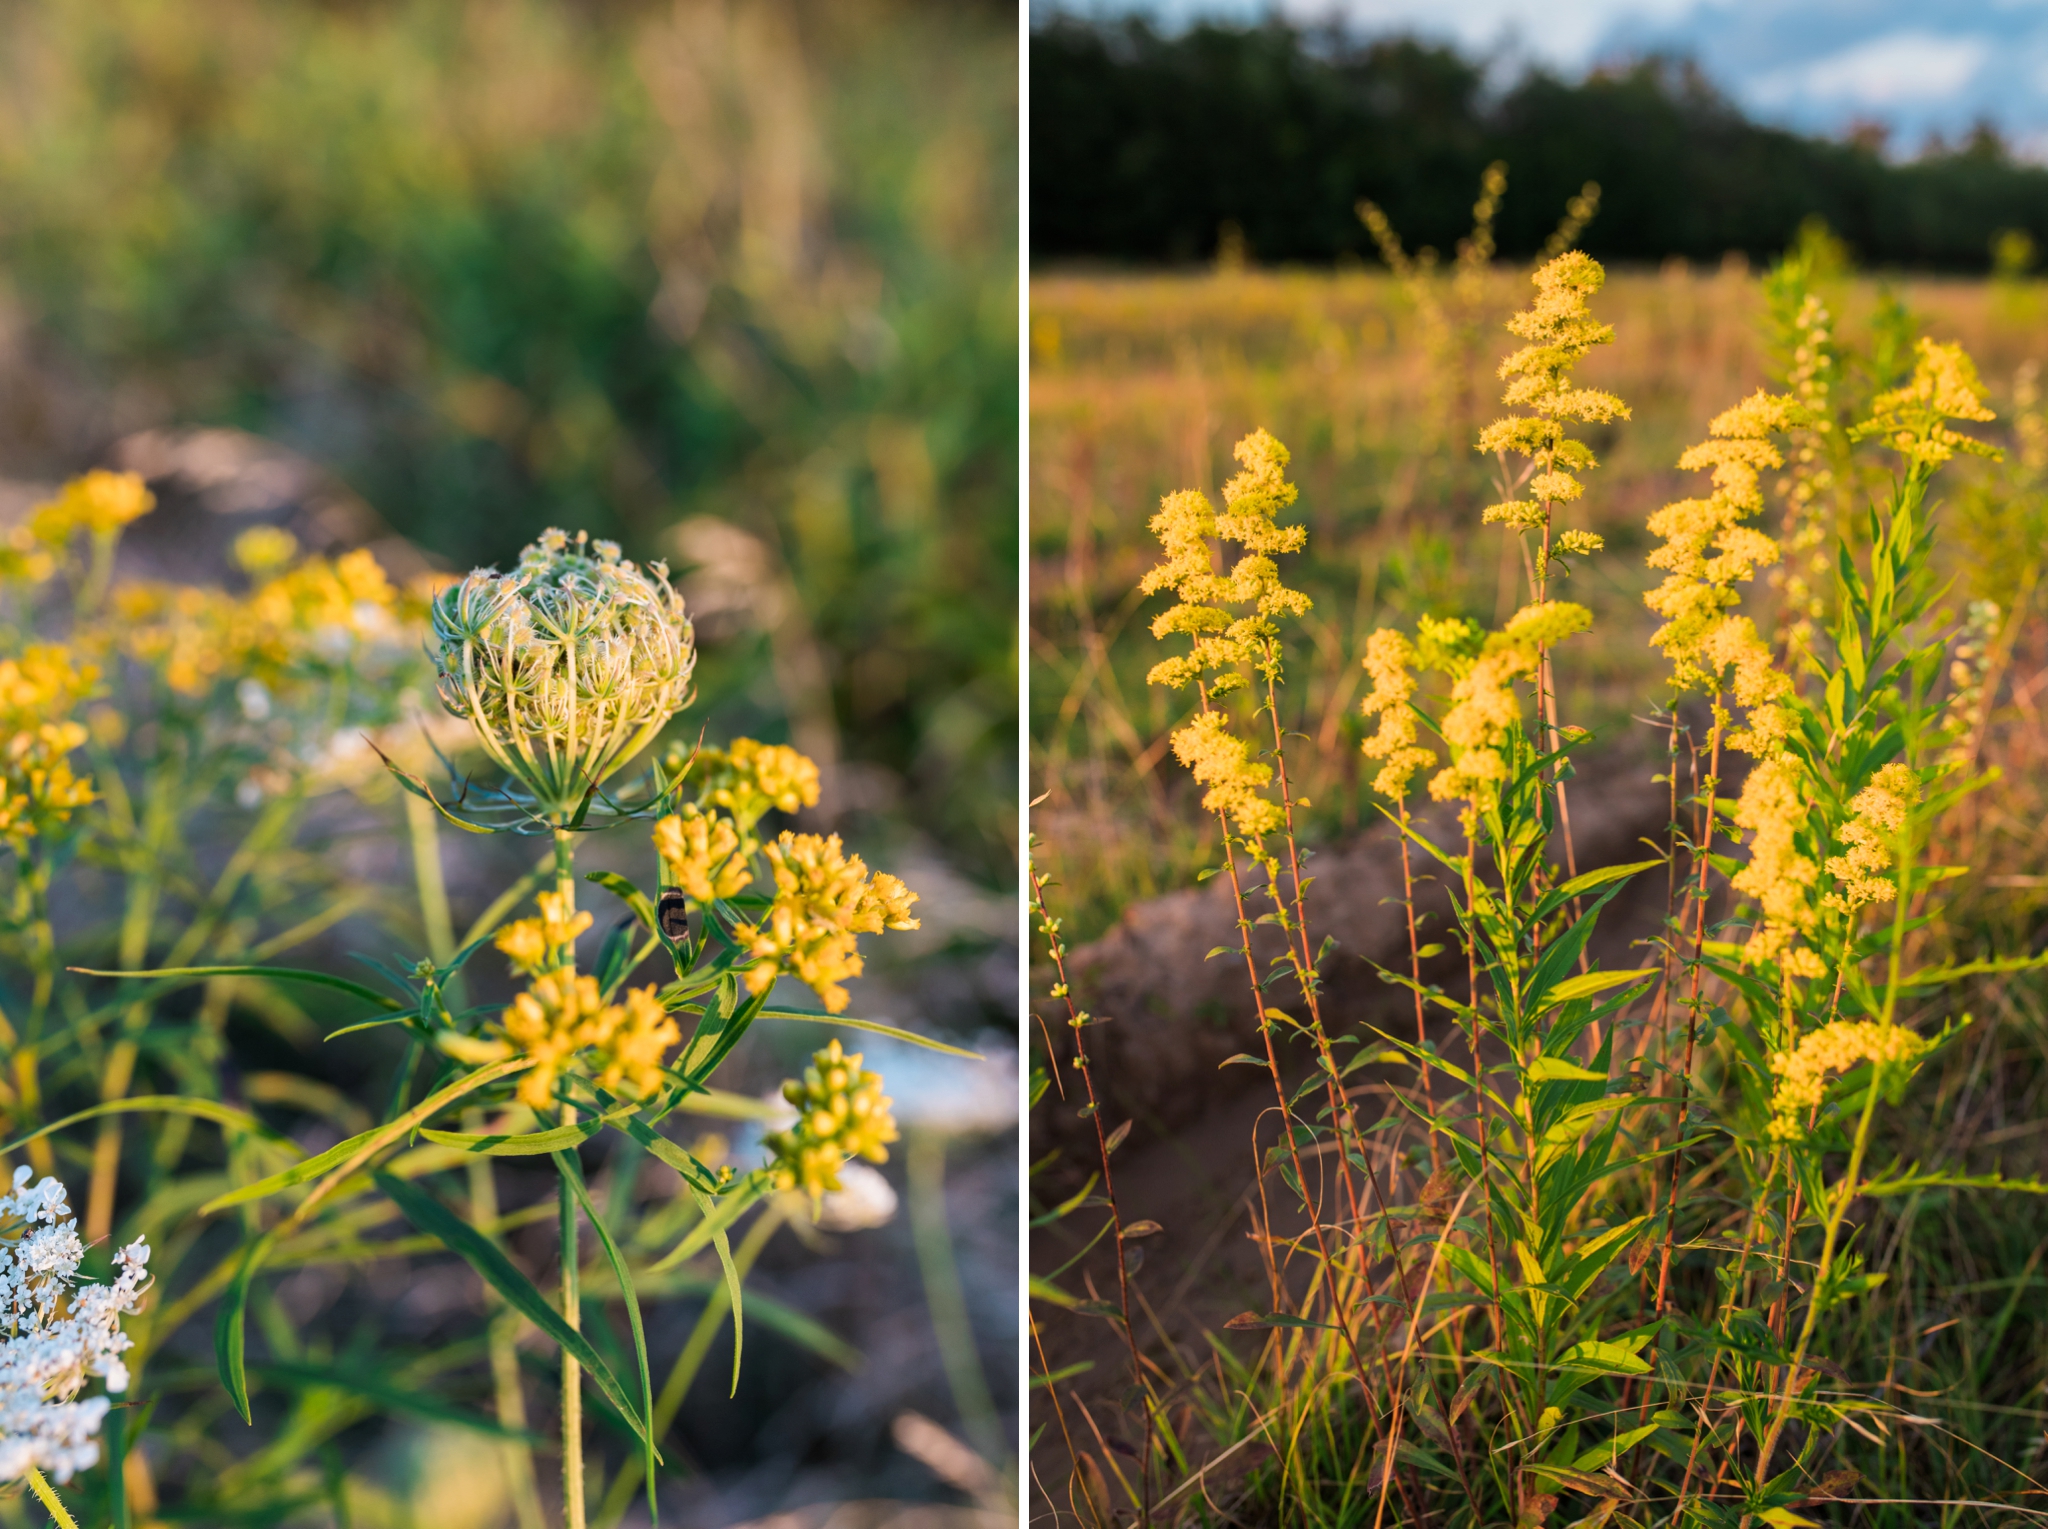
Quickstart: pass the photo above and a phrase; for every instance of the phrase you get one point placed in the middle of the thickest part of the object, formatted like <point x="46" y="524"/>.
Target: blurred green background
<point x="732" y="283"/>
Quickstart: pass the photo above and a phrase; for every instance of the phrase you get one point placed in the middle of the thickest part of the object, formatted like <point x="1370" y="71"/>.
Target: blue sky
<point x="1819" y="66"/>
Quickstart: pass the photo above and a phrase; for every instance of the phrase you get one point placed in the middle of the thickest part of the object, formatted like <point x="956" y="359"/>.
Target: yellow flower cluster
<point x="1561" y="331"/>
<point x="1803" y="1072"/>
<point x="1877" y="816"/>
<point x="100" y="503"/>
<point x="1773" y="809"/>
<point x="1698" y="635"/>
<point x="1390" y="660"/>
<point x="39" y="690"/>
<point x="1484" y="705"/>
<point x="1223" y="762"/>
<point x="843" y="1114"/>
<point x="1807" y="486"/>
<point x="304" y="624"/>
<point x="702" y="855"/>
<point x="1185" y="524"/>
<point x="750" y="777"/>
<point x="1912" y="419"/>
<point x="823" y="899"/>
<point x="537" y="944"/>
<point x="561" y="1018"/>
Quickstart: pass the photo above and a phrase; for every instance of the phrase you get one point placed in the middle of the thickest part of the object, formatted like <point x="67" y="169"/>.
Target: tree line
<point x="1150" y="146"/>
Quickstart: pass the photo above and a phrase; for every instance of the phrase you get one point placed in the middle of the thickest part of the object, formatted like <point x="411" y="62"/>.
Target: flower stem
<point x="48" y="1495"/>
<point x="572" y="1301"/>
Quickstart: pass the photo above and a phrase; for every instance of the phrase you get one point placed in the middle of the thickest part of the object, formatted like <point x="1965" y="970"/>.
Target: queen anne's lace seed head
<point x="57" y="1333"/>
<point x="567" y="666"/>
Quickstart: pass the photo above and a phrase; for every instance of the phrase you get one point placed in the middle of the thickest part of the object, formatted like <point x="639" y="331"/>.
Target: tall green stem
<point x="48" y="1496"/>
<point x="572" y="1301"/>
<point x="1836" y="1212"/>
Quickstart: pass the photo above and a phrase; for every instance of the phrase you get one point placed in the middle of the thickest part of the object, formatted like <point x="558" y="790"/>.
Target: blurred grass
<point x="1139" y="385"/>
<point x="610" y="266"/>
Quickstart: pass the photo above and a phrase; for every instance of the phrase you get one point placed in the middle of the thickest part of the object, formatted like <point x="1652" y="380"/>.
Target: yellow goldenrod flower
<point x="1185" y="525"/>
<point x="567" y="666"/>
<point x="39" y="690"/>
<point x="842" y="1114"/>
<point x="702" y="855"/>
<point x="560" y="1020"/>
<point x="99" y="503"/>
<point x="1561" y="331"/>
<point x="1389" y="659"/>
<point x="536" y="944"/>
<point x="749" y="778"/>
<point x="1699" y="589"/>
<point x="823" y="899"/>
<point x="1877" y="816"/>
<point x="1223" y="762"/>
<point x="1484" y="705"/>
<point x="1912" y="419"/>
<point x="1773" y="809"/>
<point x="262" y="551"/>
<point x="1803" y="1071"/>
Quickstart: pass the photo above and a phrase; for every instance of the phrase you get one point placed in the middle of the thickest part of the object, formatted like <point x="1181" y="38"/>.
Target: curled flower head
<point x="567" y="666"/>
<point x="536" y="944"/>
<point x="562" y="1022"/>
<point x="1877" y="816"/>
<point x="823" y="899"/>
<point x="1389" y="659"/>
<point x="1223" y="637"/>
<point x="58" y="1333"/>
<point x="1834" y="1048"/>
<point x="842" y="1114"/>
<point x="750" y="778"/>
<point x="1913" y="420"/>
<point x="702" y="855"/>
<point x="1561" y="332"/>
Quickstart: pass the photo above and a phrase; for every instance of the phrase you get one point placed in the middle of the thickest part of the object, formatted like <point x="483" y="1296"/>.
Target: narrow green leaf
<point x="389" y="1397"/>
<point x="572" y="1175"/>
<point x="732" y="1285"/>
<point x="369" y="1141"/>
<point x="1554" y="1069"/>
<point x="1592" y="881"/>
<point x="871" y="1025"/>
<point x="427" y="1213"/>
<point x="628" y="894"/>
<point x="170" y="1104"/>
<point x="230" y="1337"/>
<point x="1588" y="983"/>
<point x="531" y="1144"/>
<point x="274" y="973"/>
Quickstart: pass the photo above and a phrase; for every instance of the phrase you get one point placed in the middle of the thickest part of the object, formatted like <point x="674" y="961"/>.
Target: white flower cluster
<point x="568" y="666"/>
<point x="56" y="1334"/>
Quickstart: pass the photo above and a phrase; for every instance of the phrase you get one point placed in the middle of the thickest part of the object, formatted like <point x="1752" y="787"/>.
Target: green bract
<point x="567" y="666"/>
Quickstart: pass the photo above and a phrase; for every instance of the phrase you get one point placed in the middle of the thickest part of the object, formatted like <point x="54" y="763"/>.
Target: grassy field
<point x="1139" y="385"/>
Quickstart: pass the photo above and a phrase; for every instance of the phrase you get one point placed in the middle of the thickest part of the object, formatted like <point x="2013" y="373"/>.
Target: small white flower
<point x="54" y="1333"/>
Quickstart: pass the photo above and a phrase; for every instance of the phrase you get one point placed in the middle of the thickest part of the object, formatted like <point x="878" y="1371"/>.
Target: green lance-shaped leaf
<point x="427" y="1213"/>
<point x="183" y="976"/>
<point x="732" y="1284"/>
<point x="388" y="1396"/>
<point x="572" y="1175"/>
<point x="874" y="1026"/>
<point x="169" y="1104"/>
<point x="229" y="1334"/>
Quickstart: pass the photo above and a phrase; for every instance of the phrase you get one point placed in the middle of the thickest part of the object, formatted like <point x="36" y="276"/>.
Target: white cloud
<point x="1893" y="70"/>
